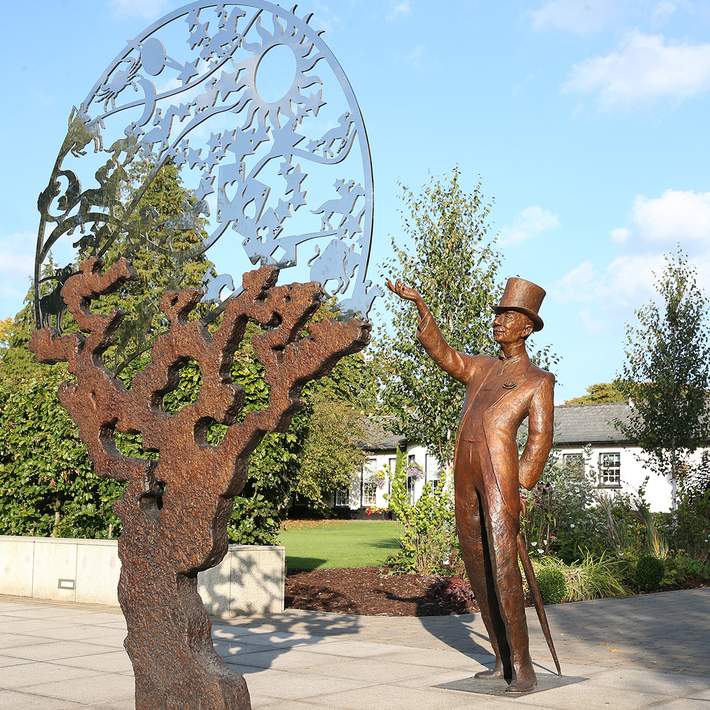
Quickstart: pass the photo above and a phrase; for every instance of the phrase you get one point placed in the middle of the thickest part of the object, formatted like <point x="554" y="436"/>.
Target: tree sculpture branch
<point x="175" y="509"/>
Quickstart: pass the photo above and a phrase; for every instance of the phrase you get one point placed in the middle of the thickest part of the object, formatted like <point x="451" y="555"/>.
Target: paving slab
<point x="650" y="651"/>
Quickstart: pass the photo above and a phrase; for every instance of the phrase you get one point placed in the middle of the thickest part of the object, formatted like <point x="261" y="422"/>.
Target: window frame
<point x="578" y="457"/>
<point x="605" y="469"/>
<point x="431" y="472"/>
<point x="368" y="501"/>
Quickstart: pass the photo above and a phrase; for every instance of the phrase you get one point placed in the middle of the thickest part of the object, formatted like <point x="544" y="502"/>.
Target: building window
<point x="610" y="470"/>
<point x="392" y="462"/>
<point x="411" y="482"/>
<point x="342" y="498"/>
<point x="369" y="493"/>
<point x="575" y="461"/>
<point x="431" y="468"/>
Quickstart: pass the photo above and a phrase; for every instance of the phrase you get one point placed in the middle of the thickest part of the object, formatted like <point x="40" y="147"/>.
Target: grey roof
<point x="589" y="424"/>
<point x="378" y="436"/>
<point x="574" y="425"/>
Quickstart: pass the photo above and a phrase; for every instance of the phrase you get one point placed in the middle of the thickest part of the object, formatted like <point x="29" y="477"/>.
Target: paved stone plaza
<point x="641" y="652"/>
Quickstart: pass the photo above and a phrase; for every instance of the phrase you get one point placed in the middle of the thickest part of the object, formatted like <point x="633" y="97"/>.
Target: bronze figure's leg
<point x="477" y="562"/>
<point x="502" y="527"/>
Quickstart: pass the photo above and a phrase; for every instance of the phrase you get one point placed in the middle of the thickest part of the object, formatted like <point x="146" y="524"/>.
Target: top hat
<point x="522" y="296"/>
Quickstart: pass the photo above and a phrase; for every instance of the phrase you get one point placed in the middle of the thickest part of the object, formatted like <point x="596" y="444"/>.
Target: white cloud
<point x="400" y="9"/>
<point x="530" y="222"/>
<point x="576" y="283"/>
<point x="577" y="16"/>
<point x="625" y="281"/>
<point x="663" y="10"/>
<point x="620" y="235"/>
<point x="675" y="216"/>
<point x="145" y="9"/>
<point x="629" y="279"/>
<point x="643" y="68"/>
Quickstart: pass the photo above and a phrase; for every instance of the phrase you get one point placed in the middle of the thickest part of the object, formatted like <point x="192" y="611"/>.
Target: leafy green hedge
<point x="47" y="483"/>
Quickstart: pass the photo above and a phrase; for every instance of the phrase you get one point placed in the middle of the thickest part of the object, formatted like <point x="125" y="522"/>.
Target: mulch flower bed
<point x="372" y="591"/>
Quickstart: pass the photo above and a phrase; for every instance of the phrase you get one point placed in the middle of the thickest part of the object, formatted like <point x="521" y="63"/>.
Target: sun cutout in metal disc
<point x="275" y="156"/>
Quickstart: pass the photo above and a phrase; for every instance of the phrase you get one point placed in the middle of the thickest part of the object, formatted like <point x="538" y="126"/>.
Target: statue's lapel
<point x="510" y="381"/>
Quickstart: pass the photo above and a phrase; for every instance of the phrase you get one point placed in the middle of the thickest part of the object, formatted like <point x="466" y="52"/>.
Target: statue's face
<point x="511" y="326"/>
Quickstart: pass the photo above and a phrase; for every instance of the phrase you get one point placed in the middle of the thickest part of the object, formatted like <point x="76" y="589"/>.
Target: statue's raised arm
<point x="455" y="363"/>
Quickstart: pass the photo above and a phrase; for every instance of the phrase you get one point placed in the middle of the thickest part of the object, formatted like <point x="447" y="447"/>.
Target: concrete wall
<point x="249" y="580"/>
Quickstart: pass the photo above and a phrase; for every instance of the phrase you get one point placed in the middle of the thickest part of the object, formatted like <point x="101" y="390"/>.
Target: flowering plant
<point x="378" y="477"/>
<point x="414" y="470"/>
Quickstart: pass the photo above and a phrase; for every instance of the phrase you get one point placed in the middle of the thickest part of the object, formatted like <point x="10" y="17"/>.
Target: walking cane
<point x="537" y="598"/>
<point x="535" y="588"/>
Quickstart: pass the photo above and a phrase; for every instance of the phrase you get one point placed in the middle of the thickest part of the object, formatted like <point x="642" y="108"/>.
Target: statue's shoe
<point x="522" y="685"/>
<point x="490" y="673"/>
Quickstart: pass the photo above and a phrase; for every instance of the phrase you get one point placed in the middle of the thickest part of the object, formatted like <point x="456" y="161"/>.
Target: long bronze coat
<point x="497" y="403"/>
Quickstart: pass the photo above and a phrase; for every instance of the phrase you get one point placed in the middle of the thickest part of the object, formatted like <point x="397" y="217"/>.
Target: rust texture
<point x="488" y="472"/>
<point x="175" y="509"/>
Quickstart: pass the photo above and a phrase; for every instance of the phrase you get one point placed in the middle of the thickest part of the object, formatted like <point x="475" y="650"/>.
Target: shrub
<point x="649" y="572"/>
<point x="688" y="569"/>
<point x="429" y="532"/>
<point x="595" y="578"/>
<point x="681" y="568"/>
<point x="591" y="578"/>
<point x="456" y="593"/>
<point x="553" y="585"/>
<point x="690" y="522"/>
<point x="563" y="514"/>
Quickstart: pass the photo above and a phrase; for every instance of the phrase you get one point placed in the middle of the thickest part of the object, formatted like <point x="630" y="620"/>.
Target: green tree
<point x="600" y="393"/>
<point x="163" y="252"/>
<point x="450" y="258"/>
<point x="667" y="371"/>
<point x="330" y="456"/>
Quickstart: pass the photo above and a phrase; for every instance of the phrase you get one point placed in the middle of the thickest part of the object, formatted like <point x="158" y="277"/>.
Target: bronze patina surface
<point x="175" y="508"/>
<point x="488" y="472"/>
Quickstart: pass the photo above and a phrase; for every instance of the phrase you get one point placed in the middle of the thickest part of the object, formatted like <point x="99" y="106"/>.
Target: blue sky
<point x="586" y="120"/>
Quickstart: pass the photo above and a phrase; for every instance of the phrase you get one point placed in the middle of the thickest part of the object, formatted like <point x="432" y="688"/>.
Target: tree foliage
<point x="667" y="371"/>
<point x="330" y="455"/>
<point x="600" y="393"/>
<point x="47" y="483"/>
<point x="450" y="258"/>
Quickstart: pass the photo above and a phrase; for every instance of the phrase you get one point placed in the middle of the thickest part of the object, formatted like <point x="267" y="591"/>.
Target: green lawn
<point x="342" y="543"/>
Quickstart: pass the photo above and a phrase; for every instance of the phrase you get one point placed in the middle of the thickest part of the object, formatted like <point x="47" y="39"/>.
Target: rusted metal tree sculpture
<point x="175" y="508"/>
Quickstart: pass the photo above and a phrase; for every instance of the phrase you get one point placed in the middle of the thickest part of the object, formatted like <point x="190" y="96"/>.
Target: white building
<point x="583" y="434"/>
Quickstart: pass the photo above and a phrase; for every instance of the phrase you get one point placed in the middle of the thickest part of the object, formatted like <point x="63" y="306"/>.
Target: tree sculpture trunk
<point x="175" y="509"/>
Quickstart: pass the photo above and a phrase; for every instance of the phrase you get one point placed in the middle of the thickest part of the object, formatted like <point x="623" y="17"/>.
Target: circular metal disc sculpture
<point x="263" y="172"/>
<point x="205" y="114"/>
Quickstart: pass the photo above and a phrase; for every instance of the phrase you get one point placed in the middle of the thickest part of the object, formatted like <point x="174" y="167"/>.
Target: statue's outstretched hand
<point x="405" y="292"/>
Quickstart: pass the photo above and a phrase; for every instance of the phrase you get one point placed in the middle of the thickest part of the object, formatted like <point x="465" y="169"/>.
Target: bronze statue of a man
<point x="500" y="393"/>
